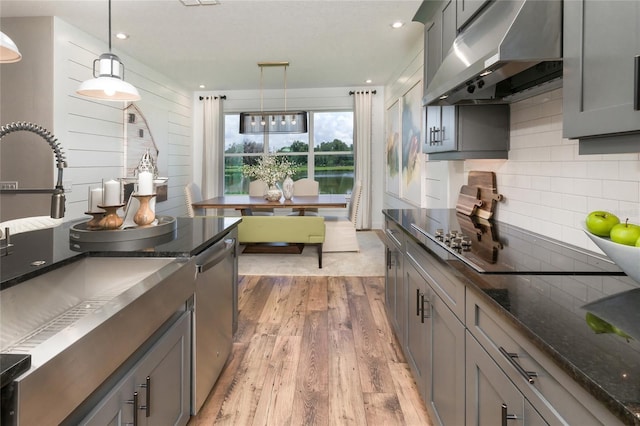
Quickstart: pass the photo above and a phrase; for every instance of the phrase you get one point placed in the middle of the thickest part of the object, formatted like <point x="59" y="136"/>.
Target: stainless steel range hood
<point x="511" y="51"/>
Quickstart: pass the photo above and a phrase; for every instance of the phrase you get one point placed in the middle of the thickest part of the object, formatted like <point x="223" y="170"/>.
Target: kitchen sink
<point x="82" y="322"/>
<point x="42" y="307"/>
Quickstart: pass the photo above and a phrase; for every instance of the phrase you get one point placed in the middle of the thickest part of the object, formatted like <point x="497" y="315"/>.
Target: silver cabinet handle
<point x="147" y="387"/>
<point x="636" y="83"/>
<point x="134" y="401"/>
<point x="528" y="375"/>
<point x="506" y="417"/>
<point x="425" y="302"/>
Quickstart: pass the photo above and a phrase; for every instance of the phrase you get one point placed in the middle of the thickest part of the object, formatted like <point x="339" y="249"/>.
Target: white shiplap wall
<point x="92" y="132"/>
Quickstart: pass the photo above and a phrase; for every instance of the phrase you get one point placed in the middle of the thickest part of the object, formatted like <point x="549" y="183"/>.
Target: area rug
<point x="368" y="262"/>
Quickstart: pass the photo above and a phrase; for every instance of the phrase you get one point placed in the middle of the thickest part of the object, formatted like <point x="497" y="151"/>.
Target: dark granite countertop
<point x="550" y="310"/>
<point x="37" y="252"/>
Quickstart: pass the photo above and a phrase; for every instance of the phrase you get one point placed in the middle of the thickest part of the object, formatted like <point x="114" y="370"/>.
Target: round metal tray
<point x="79" y="232"/>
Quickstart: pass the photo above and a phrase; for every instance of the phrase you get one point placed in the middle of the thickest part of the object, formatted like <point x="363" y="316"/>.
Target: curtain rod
<point x="364" y="91"/>
<point x="214" y="97"/>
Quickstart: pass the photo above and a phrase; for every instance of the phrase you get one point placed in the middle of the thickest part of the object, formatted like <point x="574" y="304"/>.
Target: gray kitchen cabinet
<point x="497" y="353"/>
<point x="467" y="9"/>
<point x="394" y="282"/>
<point x="156" y="388"/>
<point x="419" y="328"/>
<point x="601" y="95"/>
<point x="435" y="338"/>
<point x="467" y="131"/>
<point x="492" y="399"/>
<point x="458" y="132"/>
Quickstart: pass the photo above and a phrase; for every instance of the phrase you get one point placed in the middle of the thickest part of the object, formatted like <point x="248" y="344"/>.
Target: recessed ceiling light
<point x="368" y="81"/>
<point x="122" y="36"/>
<point x="397" y="24"/>
<point x="202" y="86"/>
<point x="199" y="2"/>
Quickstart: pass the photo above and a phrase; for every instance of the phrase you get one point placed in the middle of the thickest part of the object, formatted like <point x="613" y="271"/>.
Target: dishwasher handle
<point x="213" y="255"/>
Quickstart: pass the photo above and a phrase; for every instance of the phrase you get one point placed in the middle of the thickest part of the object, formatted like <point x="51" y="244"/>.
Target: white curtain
<point x="362" y="152"/>
<point x="212" y="147"/>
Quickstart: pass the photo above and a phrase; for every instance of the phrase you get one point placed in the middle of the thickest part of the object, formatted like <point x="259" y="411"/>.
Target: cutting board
<point x="486" y="182"/>
<point x="468" y="200"/>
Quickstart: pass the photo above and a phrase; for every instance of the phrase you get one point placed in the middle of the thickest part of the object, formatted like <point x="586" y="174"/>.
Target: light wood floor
<point x="313" y="351"/>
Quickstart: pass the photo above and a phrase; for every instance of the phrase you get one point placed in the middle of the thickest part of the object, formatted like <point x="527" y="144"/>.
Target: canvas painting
<point x="394" y="150"/>
<point x="411" y="144"/>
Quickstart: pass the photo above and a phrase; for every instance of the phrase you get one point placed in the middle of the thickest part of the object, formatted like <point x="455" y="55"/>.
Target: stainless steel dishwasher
<point x="213" y="317"/>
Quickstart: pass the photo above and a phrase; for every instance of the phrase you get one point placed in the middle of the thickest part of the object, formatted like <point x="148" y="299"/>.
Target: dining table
<point x="246" y="203"/>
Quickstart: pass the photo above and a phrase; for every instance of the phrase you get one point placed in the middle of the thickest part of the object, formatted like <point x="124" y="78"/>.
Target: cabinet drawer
<point x="394" y="234"/>
<point x="443" y="282"/>
<point x="550" y="390"/>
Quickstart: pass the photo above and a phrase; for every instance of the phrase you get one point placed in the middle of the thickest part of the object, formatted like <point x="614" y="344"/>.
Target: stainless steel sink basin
<point x="81" y="322"/>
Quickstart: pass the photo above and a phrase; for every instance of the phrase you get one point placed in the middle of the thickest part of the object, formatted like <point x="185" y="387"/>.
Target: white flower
<point x="270" y="169"/>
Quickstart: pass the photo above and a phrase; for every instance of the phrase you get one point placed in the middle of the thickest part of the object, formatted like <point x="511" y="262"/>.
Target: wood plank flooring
<point x="313" y="351"/>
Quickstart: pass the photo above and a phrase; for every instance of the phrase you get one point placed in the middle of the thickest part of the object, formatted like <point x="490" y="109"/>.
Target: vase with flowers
<point x="270" y="169"/>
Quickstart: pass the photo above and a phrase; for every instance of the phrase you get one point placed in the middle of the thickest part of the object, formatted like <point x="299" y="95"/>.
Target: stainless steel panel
<point x="73" y="363"/>
<point x="213" y="313"/>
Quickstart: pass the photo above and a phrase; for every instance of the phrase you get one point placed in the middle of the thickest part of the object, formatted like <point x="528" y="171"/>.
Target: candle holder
<point x="111" y="220"/>
<point x="145" y="215"/>
<point x="94" y="223"/>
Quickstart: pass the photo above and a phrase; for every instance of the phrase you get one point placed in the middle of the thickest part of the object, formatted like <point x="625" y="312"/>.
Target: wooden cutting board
<point x="468" y="200"/>
<point x="486" y="182"/>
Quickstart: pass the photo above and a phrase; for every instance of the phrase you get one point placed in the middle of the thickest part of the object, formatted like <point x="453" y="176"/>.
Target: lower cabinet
<point x="492" y="399"/>
<point x="156" y="391"/>
<point x="395" y="295"/>
<point x="434" y="348"/>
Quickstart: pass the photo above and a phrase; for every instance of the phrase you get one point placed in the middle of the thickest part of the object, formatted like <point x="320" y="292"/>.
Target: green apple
<point x="638" y="243"/>
<point x="600" y="222"/>
<point x="625" y="233"/>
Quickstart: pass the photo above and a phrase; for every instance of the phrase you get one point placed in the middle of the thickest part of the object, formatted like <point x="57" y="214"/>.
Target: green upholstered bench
<point x="283" y="229"/>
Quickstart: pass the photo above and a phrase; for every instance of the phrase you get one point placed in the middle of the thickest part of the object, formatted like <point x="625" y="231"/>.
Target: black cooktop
<point x="13" y="365"/>
<point x="492" y="247"/>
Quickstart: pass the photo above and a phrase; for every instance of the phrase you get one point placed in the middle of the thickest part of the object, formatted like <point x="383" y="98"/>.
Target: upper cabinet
<point x="467" y="9"/>
<point x="457" y="132"/>
<point x="602" y="75"/>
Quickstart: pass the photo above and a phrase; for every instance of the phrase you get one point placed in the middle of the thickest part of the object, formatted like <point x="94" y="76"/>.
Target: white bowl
<point x="626" y="257"/>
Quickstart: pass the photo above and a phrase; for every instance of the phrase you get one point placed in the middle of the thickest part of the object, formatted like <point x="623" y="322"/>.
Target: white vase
<point x="287" y="188"/>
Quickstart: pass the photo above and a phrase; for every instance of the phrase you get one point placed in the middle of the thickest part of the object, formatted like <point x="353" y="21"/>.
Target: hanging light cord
<point x="109" y="38"/>
<point x="285" y="89"/>
<point x="261" y="96"/>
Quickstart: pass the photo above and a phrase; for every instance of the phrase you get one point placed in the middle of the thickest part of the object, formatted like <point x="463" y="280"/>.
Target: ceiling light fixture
<point x="9" y="52"/>
<point x="397" y="24"/>
<point x="122" y="36"/>
<point x="109" y="84"/>
<point x="273" y="121"/>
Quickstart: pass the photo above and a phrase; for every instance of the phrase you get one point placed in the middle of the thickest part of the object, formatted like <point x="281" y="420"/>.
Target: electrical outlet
<point x="8" y="185"/>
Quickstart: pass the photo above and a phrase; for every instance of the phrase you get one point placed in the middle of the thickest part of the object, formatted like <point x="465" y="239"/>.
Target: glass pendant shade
<point x="261" y="122"/>
<point x="8" y="50"/>
<point x="108" y="84"/>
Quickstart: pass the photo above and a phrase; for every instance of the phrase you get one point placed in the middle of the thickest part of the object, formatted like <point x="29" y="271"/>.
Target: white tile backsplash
<point x="548" y="187"/>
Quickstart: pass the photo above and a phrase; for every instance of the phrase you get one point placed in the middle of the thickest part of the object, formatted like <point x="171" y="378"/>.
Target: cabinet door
<point x="433" y="48"/>
<point x="601" y="40"/>
<point x="418" y="346"/>
<point x="116" y="409"/>
<point x="448" y="133"/>
<point x="163" y="378"/>
<point x="491" y="397"/>
<point x="448" y="364"/>
<point x="433" y="140"/>
<point x="467" y="9"/>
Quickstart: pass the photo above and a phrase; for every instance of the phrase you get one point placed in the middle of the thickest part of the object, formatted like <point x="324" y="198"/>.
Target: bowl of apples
<point x="620" y="241"/>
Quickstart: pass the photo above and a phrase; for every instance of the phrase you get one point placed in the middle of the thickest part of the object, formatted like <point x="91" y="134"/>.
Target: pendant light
<point x="109" y="84"/>
<point x="261" y="122"/>
<point x="8" y="50"/>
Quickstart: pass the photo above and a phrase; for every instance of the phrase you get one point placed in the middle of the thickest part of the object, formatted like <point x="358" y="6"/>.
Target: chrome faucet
<point x="58" y="198"/>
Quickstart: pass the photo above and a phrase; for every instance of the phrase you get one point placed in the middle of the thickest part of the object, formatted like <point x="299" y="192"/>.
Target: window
<point x="325" y="154"/>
